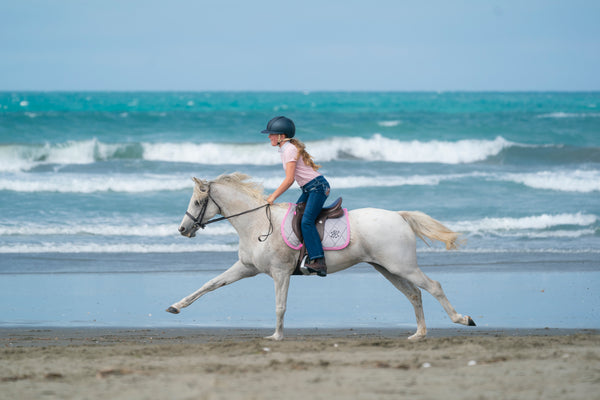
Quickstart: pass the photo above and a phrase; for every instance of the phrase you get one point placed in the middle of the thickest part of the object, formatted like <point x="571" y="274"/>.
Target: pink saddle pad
<point x="336" y="236"/>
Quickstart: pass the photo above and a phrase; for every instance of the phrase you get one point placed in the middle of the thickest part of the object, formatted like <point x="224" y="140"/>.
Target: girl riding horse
<point x="300" y="167"/>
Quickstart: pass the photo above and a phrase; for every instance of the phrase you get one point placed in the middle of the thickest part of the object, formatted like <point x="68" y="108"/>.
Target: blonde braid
<point x="307" y="158"/>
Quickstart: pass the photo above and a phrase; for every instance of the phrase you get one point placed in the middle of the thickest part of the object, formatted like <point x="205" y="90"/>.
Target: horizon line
<point x="303" y="91"/>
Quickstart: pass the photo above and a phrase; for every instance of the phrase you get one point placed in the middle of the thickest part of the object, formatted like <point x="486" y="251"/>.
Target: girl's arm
<point x="290" y="169"/>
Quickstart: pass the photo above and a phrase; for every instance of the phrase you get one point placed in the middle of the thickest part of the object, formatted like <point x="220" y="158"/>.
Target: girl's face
<point x="274" y="139"/>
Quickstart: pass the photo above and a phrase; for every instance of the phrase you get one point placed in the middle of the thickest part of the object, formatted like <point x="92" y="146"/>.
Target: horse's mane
<point x="243" y="183"/>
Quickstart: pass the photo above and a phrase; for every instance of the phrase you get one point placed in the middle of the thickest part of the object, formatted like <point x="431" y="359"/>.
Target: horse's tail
<point x="424" y="226"/>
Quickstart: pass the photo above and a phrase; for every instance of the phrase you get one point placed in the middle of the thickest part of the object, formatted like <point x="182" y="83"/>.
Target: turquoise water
<point x="100" y="180"/>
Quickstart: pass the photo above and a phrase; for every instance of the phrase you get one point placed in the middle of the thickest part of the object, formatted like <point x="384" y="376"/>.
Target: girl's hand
<point x="290" y="169"/>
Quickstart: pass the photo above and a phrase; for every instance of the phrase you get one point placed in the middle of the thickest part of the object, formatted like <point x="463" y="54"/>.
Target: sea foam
<point x="129" y="183"/>
<point x="66" y="247"/>
<point x="389" y="124"/>
<point x="73" y="183"/>
<point x="543" y="222"/>
<point x="376" y="148"/>
<point x="211" y="153"/>
<point x="559" y="115"/>
<point x="380" y="148"/>
<point x="115" y="228"/>
<point x="582" y="181"/>
<point x="17" y="157"/>
<point x="362" y="181"/>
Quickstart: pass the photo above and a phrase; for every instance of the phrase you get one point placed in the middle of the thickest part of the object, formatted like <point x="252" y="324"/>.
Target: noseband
<point x="198" y="220"/>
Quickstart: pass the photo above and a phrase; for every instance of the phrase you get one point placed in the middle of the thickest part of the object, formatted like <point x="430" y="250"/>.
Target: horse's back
<point x="376" y="228"/>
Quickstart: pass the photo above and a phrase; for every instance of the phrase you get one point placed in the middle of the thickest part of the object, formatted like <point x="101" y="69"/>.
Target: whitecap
<point x="375" y="148"/>
<point x="533" y="222"/>
<point x="134" y="183"/>
<point x="380" y="148"/>
<point x="24" y="157"/>
<point x="389" y="124"/>
<point x="499" y="250"/>
<point x="582" y="181"/>
<point x="66" y="247"/>
<point x="102" y="228"/>
<point x="73" y="183"/>
<point x="560" y="115"/>
<point x="211" y="153"/>
<point x="363" y="181"/>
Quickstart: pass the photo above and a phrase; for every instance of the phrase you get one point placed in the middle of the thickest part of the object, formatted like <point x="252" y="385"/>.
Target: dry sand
<point x="309" y="364"/>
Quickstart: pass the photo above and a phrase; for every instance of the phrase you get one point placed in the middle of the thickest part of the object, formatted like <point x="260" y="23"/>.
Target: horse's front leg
<point x="282" y="284"/>
<point x="236" y="272"/>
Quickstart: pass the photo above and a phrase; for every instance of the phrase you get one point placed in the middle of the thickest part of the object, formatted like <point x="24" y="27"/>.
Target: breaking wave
<point x="62" y="247"/>
<point x="95" y="228"/>
<point x="535" y="226"/>
<point x="581" y="181"/>
<point x="19" y="157"/>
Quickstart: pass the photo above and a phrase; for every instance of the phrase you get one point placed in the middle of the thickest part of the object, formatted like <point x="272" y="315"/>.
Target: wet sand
<point x="204" y="363"/>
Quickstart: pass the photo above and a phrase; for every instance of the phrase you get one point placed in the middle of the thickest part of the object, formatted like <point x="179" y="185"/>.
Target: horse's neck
<point x="233" y="201"/>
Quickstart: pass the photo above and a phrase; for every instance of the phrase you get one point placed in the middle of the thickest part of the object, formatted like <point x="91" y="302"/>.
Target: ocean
<point x="94" y="185"/>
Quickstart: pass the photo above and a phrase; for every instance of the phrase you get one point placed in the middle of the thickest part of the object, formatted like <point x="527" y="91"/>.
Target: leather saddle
<point x="334" y="210"/>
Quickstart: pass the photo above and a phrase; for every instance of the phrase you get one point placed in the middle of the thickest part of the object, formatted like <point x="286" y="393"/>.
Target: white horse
<point x="385" y="239"/>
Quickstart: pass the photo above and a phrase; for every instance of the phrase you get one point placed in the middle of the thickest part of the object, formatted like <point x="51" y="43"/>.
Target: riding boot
<point x="317" y="266"/>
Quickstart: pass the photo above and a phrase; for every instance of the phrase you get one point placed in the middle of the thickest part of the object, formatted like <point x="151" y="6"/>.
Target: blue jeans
<point x="314" y="194"/>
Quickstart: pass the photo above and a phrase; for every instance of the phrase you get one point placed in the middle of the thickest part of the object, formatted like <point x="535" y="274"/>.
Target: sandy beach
<point x="186" y="363"/>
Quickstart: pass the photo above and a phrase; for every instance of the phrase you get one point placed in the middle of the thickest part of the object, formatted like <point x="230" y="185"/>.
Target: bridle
<point x="198" y="220"/>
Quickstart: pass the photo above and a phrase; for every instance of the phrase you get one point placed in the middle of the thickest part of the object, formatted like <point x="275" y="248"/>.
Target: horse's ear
<point x="197" y="181"/>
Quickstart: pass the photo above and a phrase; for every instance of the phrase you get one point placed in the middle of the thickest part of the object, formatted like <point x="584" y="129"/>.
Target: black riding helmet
<point x="281" y="126"/>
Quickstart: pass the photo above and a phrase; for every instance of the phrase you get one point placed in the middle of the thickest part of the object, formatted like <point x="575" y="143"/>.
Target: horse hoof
<point x="275" y="337"/>
<point x="471" y="322"/>
<point x="172" y="310"/>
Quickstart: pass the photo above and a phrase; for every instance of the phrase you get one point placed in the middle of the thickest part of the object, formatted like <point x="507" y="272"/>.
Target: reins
<point x="198" y="220"/>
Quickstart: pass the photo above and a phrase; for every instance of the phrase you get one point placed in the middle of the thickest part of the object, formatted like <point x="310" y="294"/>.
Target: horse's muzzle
<point x="189" y="233"/>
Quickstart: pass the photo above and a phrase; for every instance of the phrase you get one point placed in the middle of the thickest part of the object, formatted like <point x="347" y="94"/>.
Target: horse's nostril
<point x="181" y="229"/>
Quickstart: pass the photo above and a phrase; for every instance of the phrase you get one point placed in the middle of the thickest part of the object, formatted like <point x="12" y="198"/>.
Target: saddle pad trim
<point x="298" y="246"/>
<point x="283" y="235"/>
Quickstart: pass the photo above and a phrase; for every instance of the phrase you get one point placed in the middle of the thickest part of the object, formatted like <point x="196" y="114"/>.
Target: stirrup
<point x="303" y="267"/>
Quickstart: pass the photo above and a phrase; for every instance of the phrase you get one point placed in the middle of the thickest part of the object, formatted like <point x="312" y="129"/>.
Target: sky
<point x="268" y="45"/>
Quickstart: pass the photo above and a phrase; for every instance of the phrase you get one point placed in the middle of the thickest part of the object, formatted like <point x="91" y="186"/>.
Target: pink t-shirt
<point x="303" y="173"/>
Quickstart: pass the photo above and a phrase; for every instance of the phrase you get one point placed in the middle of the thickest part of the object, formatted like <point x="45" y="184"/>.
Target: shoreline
<point x="74" y="336"/>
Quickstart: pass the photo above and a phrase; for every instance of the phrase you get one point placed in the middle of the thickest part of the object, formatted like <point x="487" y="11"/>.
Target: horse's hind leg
<point x="424" y="282"/>
<point x="414" y="296"/>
